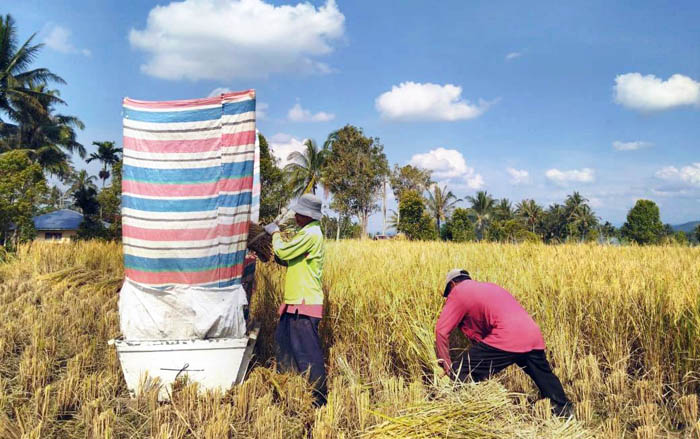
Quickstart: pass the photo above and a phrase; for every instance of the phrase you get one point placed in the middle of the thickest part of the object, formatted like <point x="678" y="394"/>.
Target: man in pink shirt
<point x="502" y="333"/>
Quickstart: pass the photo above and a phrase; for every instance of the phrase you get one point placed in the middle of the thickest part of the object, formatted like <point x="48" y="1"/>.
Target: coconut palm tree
<point x="481" y="209"/>
<point x="440" y="202"/>
<point x="529" y="211"/>
<point x="583" y="220"/>
<point x="108" y="155"/>
<point x="47" y="137"/>
<point x="16" y="77"/>
<point x="393" y="221"/>
<point x="82" y="180"/>
<point x="304" y="168"/>
<point x="503" y="211"/>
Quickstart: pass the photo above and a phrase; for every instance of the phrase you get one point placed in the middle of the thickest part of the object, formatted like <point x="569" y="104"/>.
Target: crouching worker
<point x="502" y="333"/>
<point x="298" y="342"/>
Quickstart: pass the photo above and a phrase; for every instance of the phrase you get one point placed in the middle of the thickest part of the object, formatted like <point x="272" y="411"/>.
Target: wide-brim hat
<point x="452" y="275"/>
<point x="308" y="205"/>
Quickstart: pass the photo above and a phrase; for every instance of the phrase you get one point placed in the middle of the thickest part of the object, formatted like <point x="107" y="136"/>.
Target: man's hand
<point x="271" y="228"/>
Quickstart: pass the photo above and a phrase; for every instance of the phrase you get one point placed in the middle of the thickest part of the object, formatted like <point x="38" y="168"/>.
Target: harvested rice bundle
<point x="259" y="242"/>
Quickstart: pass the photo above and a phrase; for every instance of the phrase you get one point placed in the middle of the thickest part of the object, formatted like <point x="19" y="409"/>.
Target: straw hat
<point x="308" y="205"/>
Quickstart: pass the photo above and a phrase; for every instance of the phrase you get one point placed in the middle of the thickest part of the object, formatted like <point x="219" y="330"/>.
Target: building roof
<point x="64" y="219"/>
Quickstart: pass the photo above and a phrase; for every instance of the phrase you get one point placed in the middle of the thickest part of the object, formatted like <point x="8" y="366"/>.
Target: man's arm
<point x="301" y="244"/>
<point x="452" y="313"/>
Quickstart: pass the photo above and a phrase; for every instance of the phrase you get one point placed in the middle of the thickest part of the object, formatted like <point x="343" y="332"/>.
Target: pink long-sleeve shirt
<point x="486" y="313"/>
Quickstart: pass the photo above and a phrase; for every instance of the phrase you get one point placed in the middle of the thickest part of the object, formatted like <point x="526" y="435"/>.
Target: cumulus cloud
<point x="58" y="38"/>
<point x="448" y="165"/>
<point x="688" y="175"/>
<point x="631" y="146"/>
<point x="564" y="178"/>
<point x="518" y="176"/>
<point x="224" y="39"/>
<point x="513" y="55"/>
<point x="299" y="114"/>
<point x="649" y="93"/>
<point x="413" y="101"/>
<point x="282" y="145"/>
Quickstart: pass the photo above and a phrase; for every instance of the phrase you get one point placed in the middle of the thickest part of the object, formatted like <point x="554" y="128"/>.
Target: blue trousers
<point x="299" y="350"/>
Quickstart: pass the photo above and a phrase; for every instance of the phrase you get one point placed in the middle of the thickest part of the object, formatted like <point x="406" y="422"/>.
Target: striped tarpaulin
<point x="189" y="189"/>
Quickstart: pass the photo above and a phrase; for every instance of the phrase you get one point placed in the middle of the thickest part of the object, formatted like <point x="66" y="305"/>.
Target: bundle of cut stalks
<point x="470" y="411"/>
<point x="259" y="242"/>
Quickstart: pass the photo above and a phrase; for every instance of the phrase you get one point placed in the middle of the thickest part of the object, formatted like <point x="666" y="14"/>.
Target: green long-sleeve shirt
<point x="304" y="254"/>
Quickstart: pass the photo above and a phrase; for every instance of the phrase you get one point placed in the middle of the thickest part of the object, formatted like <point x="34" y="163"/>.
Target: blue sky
<point x="523" y="99"/>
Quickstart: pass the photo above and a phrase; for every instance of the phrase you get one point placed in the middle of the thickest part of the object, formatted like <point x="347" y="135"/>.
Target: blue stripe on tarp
<point x="210" y="174"/>
<point x="239" y="107"/>
<point x="173" y="116"/>
<point x="223" y="260"/>
<point x="186" y="204"/>
<point x="213" y="113"/>
<point x="223" y="284"/>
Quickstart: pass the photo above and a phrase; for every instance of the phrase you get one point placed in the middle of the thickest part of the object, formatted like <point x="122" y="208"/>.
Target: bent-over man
<point x="298" y="342"/>
<point x="502" y="333"/>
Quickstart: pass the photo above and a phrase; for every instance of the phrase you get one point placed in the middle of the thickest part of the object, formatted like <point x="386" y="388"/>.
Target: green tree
<point x="503" y="210"/>
<point x="109" y="200"/>
<point x="530" y="212"/>
<point x="409" y="178"/>
<point x="440" y="203"/>
<point x="697" y="233"/>
<point x="482" y="206"/>
<point x="16" y="76"/>
<point x="459" y="227"/>
<point x="108" y="155"/>
<point x="414" y="221"/>
<point x="274" y="191"/>
<point x="344" y="229"/>
<point x="393" y="220"/>
<point x="554" y="224"/>
<point x="304" y="168"/>
<point x="643" y="224"/>
<point x="48" y="137"/>
<point x="354" y="172"/>
<point x="22" y="186"/>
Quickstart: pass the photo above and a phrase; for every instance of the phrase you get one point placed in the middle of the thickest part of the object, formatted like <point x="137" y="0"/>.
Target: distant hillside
<point x="687" y="227"/>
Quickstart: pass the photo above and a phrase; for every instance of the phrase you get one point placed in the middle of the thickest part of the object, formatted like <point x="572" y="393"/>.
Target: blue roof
<point x="64" y="219"/>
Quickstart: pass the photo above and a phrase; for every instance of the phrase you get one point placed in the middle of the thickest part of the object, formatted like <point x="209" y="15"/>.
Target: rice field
<point x="622" y="326"/>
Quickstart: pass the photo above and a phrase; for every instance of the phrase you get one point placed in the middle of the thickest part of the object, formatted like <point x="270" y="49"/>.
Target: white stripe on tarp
<point x="160" y="126"/>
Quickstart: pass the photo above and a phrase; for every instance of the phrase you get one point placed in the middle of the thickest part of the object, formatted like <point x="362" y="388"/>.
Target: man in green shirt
<point x="298" y="343"/>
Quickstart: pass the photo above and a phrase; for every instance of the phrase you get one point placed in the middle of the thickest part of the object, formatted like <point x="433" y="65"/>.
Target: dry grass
<point x="622" y="326"/>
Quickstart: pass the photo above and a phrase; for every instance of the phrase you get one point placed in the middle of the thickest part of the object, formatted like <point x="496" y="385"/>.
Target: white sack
<point x="181" y="312"/>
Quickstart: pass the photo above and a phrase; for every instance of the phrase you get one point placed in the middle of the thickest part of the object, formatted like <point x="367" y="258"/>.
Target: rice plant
<point x="621" y="325"/>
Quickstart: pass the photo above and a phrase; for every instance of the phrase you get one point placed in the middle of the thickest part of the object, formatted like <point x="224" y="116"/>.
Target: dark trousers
<point x="482" y="361"/>
<point x="299" y="350"/>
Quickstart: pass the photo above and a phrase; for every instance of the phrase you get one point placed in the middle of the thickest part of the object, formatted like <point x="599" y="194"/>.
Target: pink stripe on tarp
<point x="172" y="146"/>
<point x="184" y="277"/>
<point x="226" y="230"/>
<point x="186" y="103"/>
<point x="238" y="139"/>
<point x="186" y="190"/>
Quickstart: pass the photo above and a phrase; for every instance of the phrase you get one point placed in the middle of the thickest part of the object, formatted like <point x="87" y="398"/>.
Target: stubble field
<point x="622" y="326"/>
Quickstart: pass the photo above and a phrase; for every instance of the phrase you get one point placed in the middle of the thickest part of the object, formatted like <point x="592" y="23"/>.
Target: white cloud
<point x="412" y="101"/>
<point x="224" y="39"/>
<point x="218" y="91"/>
<point x="261" y="110"/>
<point x="58" y="38"/>
<point x="518" y="176"/>
<point x="282" y="145"/>
<point x="689" y="175"/>
<point x="649" y="93"/>
<point x="513" y="55"/>
<point x="631" y="146"/>
<point x="448" y="165"/>
<point x="564" y="178"/>
<point x="299" y="114"/>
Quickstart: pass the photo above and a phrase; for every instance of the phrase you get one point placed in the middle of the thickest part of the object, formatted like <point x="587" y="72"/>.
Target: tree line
<point x="351" y="168"/>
